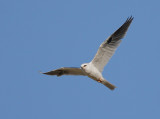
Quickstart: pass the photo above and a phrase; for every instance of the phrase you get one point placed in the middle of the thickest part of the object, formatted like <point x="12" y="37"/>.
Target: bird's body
<point x="94" y="68"/>
<point x="94" y="73"/>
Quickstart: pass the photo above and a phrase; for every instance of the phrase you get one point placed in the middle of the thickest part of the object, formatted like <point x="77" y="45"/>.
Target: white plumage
<point x="95" y="67"/>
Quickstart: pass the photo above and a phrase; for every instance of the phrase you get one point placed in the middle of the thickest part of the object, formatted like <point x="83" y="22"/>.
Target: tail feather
<point x="109" y="85"/>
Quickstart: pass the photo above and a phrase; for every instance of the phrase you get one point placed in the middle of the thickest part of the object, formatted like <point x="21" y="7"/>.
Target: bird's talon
<point x="100" y="80"/>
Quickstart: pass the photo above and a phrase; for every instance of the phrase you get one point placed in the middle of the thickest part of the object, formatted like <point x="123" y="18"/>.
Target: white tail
<point x="109" y="85"/>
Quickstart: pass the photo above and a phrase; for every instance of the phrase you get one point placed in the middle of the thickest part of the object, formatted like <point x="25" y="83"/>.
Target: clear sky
<point x="42" y="35"/>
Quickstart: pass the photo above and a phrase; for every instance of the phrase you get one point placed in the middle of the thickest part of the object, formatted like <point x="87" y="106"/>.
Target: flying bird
<point x="94" y="68"/>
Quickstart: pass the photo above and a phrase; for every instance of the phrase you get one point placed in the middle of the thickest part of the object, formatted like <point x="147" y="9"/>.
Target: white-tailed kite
<point x="94" y="68"/>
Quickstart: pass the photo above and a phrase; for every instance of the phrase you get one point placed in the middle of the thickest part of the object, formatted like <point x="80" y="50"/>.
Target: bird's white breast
<point x="92" y="72"/>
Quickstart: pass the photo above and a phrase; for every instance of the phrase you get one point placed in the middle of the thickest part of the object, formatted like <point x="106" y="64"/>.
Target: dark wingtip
<point x="129" y="19"/>
<point x="43" y="72"/>
<point x="54" y="72"/>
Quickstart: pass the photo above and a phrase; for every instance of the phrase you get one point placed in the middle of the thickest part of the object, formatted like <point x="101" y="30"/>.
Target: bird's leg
<point x="99" y="80"/>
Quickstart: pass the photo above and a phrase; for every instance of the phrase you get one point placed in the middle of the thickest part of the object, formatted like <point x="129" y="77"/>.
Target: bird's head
<point x="84" y="66"/>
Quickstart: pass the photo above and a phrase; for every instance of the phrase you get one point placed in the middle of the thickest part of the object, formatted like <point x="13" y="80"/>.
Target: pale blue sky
<point x="41" y="35"/>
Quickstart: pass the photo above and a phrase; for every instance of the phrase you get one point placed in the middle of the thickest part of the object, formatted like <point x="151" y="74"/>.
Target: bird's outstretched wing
<point x="65" y="71"/>
<point x="108" y="47"/>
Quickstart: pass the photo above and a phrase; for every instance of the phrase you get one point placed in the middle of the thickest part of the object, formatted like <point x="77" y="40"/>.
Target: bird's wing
<point x="66" y="71"/>
<point x="108" y="47"/>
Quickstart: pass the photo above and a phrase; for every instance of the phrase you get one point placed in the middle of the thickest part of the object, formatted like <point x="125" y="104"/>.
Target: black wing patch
<point x="120" y="33"/>
<point x="109" y="40"/>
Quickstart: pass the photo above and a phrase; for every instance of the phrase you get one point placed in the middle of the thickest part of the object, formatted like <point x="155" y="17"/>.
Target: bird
<point x="95" y="68"/>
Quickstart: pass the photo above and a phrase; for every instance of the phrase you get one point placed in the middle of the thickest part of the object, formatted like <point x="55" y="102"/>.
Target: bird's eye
<point x="84" y="65"/>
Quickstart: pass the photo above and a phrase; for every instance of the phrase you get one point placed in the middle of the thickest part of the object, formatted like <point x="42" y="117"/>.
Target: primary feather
<point x="108" y="47"/>
<point x="66" y="71"/>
